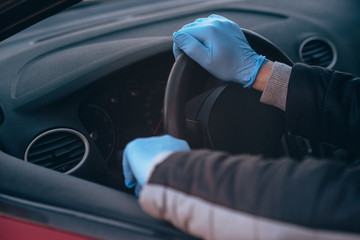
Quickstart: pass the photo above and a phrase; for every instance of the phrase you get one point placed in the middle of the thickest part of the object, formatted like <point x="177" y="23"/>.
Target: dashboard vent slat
<point x="42" y="148"/>
<point x="63" y="150"/>
<point x="318" y="51"/>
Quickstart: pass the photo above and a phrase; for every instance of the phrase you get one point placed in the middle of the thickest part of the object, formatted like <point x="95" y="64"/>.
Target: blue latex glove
<point x="138" y="154"/>
<point x="220" y="47"/>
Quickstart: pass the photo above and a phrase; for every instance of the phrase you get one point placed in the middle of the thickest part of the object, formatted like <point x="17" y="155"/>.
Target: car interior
<point x="78" y="86"/>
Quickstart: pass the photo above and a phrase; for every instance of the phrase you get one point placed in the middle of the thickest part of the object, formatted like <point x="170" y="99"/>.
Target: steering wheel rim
<point x="185" y="67"/>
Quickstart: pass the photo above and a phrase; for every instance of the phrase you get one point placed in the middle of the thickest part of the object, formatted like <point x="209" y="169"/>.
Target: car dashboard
<point x="97" y="81"/>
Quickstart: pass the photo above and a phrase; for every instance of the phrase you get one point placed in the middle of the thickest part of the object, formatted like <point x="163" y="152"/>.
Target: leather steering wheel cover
<point x="175" y="94"/>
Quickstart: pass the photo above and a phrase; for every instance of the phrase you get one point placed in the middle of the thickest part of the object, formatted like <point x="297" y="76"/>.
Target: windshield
<point x="91" y="12"/>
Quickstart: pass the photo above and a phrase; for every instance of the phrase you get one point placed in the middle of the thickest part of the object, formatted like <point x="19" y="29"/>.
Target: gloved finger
<point x="203" y="20"/>
<point x="203" y="28"/>
<point x="234" y="26"/>
<point x="176" y="50"/>
<point x="176" y="47"/>
<point x="192" y="47"/>
<point x="199" y="32"/>
<point x="129" y="178"/>
<point x="181" y="39"/>
<point x="175" y="144"/>
<point x="215" y="16"/>
<point x="193" y="24"/>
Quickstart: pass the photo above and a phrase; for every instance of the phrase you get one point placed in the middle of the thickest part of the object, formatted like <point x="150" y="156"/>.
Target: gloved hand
<point x="138" y="154"/>
<point x="220" y="47"/>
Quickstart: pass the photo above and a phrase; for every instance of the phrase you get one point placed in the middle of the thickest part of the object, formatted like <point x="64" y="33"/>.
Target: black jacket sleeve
<point x="324" y="105"/>
<point x="314" y="194"/>
<point x="211" y="194"/>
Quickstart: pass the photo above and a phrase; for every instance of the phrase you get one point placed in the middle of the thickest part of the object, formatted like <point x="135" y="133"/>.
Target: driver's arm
<point x="214" y="195"/>
<point x="319" y="104"/>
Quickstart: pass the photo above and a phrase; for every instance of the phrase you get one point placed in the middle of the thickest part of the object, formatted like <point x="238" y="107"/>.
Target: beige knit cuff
<point x="276" y="88"/>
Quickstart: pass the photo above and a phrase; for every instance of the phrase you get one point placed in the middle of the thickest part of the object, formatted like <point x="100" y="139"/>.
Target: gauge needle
<point x="158" y="126"/>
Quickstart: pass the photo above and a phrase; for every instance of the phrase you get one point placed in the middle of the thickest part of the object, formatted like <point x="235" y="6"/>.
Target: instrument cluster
<point x="128" y="105"/>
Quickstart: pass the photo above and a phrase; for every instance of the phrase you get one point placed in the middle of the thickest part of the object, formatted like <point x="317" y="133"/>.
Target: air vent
<point x="62" y="149"/>
<point x="318" y="51"/>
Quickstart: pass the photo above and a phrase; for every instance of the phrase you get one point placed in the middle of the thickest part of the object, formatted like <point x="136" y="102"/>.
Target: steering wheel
<point x="225" y="116"/>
